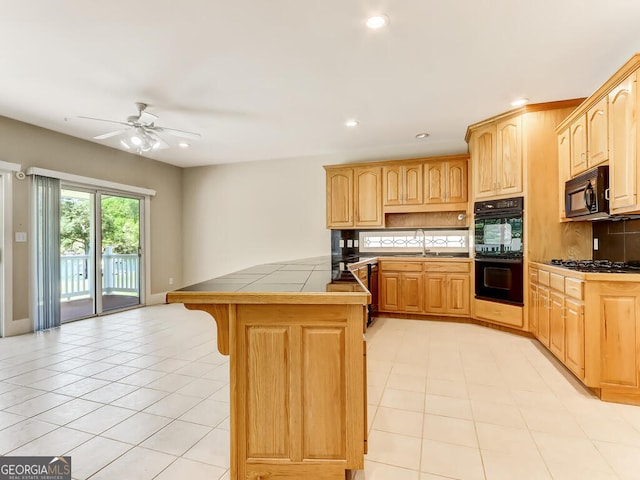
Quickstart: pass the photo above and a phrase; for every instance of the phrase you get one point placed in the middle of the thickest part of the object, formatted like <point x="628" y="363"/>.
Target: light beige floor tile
<point x="101" y="419"/>
<point x="394" y="449"/>
<point x="173" y="405"/>
<point x="144" y="361"/>
<point x="82" y="387"/>
<point x="138" y="463"/>
<point x="377" y="378"/>
<point x="213" y="449"/>
<point x="565" y="449"/>
<point x="200" y="387"/>
<point x="447" y="388"/>
<point x="413" y="383"/>
<point x="380" y="471"/>
<point x="497" y="414"/>
<point x="404" y="422"/>
<point x="514" y="465"/>
<point x="209" y="412"/>
<point x="548" y="421"/>
<point x="486" y="393"/>
<point x="455" y="461"/>
<point x="448" y="406"/>
<point x="374" y="394"/>
<point x="40" y="404"/>
<point x="573" y="471"/>
<point x="7" y="419"/>
<point x="139" y="399"/>
<point x="62" y="440"/>
<point x="67" y="412"/>
<point x="18" y="395"/>
<point x="176" y="438"/>
<point x="110" y="392"/>
<point x="56" y="381"/>
<point x="222" y="395"/>
<point x="23" y="432"/>
<point x="169" y="365"/>
<point x="450" y="430"/>
<point x="94" y="454"/>
<point x="171" y="382"/>
<point x="609" y="429"/>
<point x="412" y="369"/>
<point x="191" y="470"/>
<point x="114" y="374"/>
<point x="402" y="399"/>
<point x="504" y="439"/>
<point x="136" y="428"/>
<point x="624" y="459"/>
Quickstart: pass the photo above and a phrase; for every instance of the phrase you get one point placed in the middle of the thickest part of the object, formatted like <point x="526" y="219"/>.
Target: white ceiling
<point x="277" y="79"/>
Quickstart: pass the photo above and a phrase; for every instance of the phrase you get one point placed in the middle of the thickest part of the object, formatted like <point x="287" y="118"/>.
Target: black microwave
<point x="586" y="197"/>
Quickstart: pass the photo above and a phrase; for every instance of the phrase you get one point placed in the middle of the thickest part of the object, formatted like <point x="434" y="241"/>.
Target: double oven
<point x="498" y="238"/>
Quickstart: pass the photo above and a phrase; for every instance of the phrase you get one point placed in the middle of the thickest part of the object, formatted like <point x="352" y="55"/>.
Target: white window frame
<point x="410" y="241"/>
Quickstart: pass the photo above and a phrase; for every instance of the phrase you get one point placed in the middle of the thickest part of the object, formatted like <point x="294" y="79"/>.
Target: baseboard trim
<point x="156" y="298"/>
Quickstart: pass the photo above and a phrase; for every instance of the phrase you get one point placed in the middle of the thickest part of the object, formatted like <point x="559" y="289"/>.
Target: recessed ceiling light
<point x="183" y="145"/>
<point x="422" y="135"/>
<point x="377" y="21"/>
<point x="519" y="102"/>
<point x="352" y="123"/>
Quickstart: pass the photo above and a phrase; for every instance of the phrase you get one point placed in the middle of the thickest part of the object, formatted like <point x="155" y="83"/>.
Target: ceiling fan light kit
<point x="141" y="132"/>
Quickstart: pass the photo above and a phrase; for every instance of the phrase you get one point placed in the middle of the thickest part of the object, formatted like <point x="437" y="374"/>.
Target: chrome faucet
<point x="424" y="241"/>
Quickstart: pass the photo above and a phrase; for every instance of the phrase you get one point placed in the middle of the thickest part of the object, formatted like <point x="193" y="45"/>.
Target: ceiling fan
<point x="141" y="133"/>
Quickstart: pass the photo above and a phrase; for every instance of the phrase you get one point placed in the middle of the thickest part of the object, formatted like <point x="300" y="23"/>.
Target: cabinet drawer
<point x="533" y="275"/>
<point x="543" y="277"/>
<point x="574" y="287"/>
<point x="556" y="282"/>
<point x="498" y="312"/>
<point x="448" y="267"/>
<point x="401" y="266"/>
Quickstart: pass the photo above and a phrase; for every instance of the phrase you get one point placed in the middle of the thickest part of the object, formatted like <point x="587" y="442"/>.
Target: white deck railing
<point x="120" y="275"/>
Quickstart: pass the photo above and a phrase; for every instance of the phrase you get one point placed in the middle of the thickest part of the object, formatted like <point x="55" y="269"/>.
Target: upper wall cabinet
<point x="604" y="128"/>
<point x="445" y="182"/>
<point x="496" y="157"/>
<point x="402" y="184"/>
<point x="354" y="197"/>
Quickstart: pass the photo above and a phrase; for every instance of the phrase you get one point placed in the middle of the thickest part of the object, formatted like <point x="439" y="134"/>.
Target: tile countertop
<point x="309" y="275"/>
<point x="594" y="276"/>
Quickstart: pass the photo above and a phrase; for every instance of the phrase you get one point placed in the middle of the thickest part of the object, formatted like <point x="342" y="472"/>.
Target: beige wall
<point x="36" y="147"/>
<point x="239" y="215"/>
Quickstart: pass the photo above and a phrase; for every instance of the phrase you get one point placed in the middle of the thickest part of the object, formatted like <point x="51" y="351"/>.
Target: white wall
<point x="239" y="215"/>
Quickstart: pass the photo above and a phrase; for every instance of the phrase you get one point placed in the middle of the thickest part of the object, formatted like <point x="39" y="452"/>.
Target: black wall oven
<point x="498" y="236"/>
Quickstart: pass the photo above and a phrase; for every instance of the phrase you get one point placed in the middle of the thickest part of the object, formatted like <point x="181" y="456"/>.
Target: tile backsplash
<point x="618" y="241"/>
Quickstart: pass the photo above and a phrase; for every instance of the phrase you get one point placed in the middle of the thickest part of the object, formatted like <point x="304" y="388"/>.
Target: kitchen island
<point x="297" y="368"/>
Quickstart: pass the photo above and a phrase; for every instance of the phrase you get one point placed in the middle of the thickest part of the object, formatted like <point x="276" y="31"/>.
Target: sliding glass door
<point x="99" y="252"/>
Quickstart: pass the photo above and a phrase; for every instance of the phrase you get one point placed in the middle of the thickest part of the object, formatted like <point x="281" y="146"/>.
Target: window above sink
<point x="437" y="241"/>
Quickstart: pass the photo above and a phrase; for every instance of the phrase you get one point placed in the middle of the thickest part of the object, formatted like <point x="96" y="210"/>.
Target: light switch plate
<point x="21" y="237"/>
<point x="349" y="243"/>
<point x="341" y="243"/>
<point x="595" y="244"/>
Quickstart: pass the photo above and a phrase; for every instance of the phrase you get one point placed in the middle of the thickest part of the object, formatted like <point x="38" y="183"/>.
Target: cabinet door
<point x="458" y="294"/>
<point x="622" y="146"/>
<point x="543" y="315"/>
<point x="392" y="185"/>
<point x="340" y="198"/>
<point x="411" y="292"/>
<point x="483" y="155"/>
<point x="578" y="138"/>
<point x="533" y="309"/>
<point x="389" y="284"/>
<point x="556" y="325"/>
<point x="574" y="337"/>
<point x="597" y="134"/>
<point x="368" y="197"/>
<point x="412" y="184"/>
<point x="435" y="300"/>
<point x="509" y="156"/>
<point x="564" y="166"/>
<point x="434" y="182"/>
<point x="457" y="181"/>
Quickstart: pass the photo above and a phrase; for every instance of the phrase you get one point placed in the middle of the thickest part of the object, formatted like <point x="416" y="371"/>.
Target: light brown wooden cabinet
<point x="400" y="291"/>
<point x="446" y="293"/>
<point x="578" y="142"/>
<point x="574" y="336"/>
<point x="589" y="139"/>
<point x="496" y="156"/>
<point x="623" y="136"/>
<point x="402" y="184"/>
<point x="354" y="197"/>
<point x="556" y="324"/>
<point x="445" y="182"/>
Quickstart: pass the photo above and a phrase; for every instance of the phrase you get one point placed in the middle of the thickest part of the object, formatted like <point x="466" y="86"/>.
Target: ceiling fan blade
<point x="147" y="118"/>
<point x="179" y="133"/>
<point x="108" y="135"/>
<point x="103" y="120"/>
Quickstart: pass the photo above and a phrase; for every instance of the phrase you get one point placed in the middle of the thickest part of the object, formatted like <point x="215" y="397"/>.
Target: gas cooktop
<point x="598" y="266"/>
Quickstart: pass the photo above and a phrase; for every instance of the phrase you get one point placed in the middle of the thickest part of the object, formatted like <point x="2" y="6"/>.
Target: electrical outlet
<point x="170" y="280"/>
<point x="595" y="244"/>
<point x="349" y="243"/>
<point x="355" y="243"/>
<point x="341" y="243"/>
